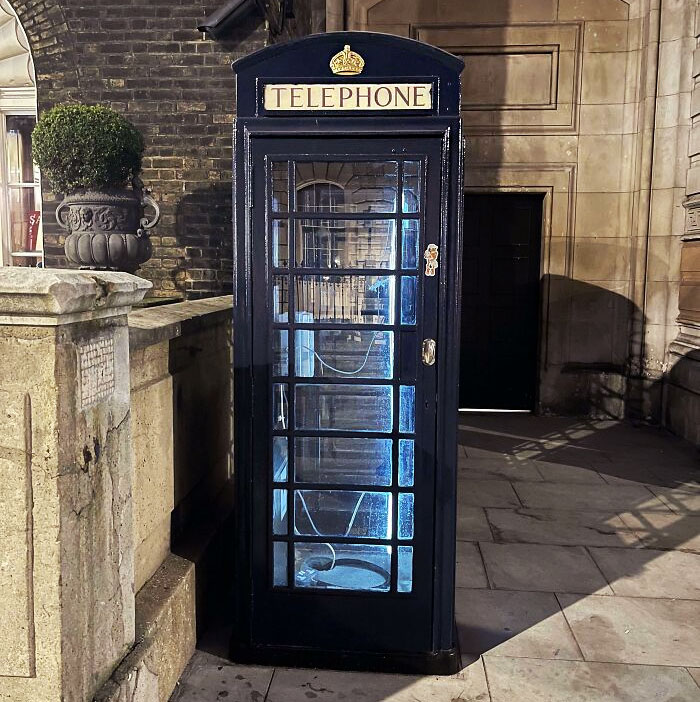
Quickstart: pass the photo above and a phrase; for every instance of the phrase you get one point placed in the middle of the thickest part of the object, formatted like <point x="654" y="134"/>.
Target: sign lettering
<point x="286" y="97"/>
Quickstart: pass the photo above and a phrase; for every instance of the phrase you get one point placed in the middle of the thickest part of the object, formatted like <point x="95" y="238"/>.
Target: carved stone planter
<point x="107" y="230"/>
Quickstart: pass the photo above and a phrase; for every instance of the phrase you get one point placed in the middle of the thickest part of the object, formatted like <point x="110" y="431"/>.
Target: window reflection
<point x="347" y="299"/>
<point x="343" y="243"/>
<point x="345" y="186"/>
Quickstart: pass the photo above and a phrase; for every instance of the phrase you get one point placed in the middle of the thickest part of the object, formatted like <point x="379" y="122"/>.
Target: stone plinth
<point x="66" y="556"/>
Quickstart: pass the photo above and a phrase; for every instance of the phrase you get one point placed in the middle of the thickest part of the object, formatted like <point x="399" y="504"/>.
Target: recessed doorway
<point x="500" y="301"/>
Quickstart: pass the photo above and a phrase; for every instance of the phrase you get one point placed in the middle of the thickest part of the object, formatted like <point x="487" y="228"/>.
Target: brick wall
<point x="148" y="61"/>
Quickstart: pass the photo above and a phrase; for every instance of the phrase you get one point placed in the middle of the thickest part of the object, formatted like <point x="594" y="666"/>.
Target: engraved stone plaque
<point x="96" y="369"/>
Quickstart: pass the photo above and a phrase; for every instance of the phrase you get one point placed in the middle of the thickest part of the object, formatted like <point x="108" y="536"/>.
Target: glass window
<point x="406" y="458"/>
<point x="279" y="459"/>
<point x="340" y="353"/>
<point x="407" y="409"/>
<point x="280" y="186"/>
<point x="410" y="241"/>
<point x="345" y="186"/>
<point x="345" y="299"/>
<point x="343" y="407"/>
<point x="339" y="460"/>
<point x="343" y="566"/>
<point x="280" y="406"/>
<point x="346" y="243"/>
<point x="342" y="513"/>
<point x="279" y="512"/>
<point x="280" y="564"/>
<point x="20" y="193"/>
<point x="409" y="299"/>
<point x="280" y="243"/>
<point x="405" y="515"/>
<point x="280" y="298"/>
<point x="405" y="569"/>
<point x="280" y="351"/>
<point x="411" y="194"/>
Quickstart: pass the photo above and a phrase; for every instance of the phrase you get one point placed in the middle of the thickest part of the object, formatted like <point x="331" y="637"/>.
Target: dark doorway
<point x="500" y="301"/>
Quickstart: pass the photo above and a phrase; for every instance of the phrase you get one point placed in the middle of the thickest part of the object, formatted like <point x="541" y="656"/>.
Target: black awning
<point x="225" y="18"/>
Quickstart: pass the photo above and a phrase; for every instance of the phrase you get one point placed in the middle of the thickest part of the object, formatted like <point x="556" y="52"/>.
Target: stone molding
<point x="43" y="297"/>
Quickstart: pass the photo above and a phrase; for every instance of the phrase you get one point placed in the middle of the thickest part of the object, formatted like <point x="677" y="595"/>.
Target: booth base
<point x="445" y="662"/>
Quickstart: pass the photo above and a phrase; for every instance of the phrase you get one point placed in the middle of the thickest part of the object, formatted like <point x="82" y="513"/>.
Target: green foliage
<point x="86" y="146"/>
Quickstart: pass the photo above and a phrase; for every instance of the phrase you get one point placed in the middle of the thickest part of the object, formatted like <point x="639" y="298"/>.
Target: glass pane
<point x="279" y="512"/>
<point x="280" y="352"/>
<point x="411" y="196"/>
<point x="410" y="241"/>
<point x="409" y="296"/>
<point x="343" y="566"/>
<point x="280" y="243"/>
<point x="280" y="459"/>
<point x="406" y="462"/>
<point x="280" y="298"/>
<point x="342" y="460"/>
<point x="343" y="243"/>
<point x="280" y="564"/>
<point x="280" y="406"/>
<point x="342" y="513"/>
<point x="336" y="186"/>
<point x="280" y="186"/>
<point x="406" y="515"/>
<point x="18" y="142"/>
<point x="407" y="409"/>
<point x="344" y="407"/>
<point x="405" y="569"/>
<point x="340" y="353"/>
<point x="345" y="299"/>
<point x="24" y="219"/>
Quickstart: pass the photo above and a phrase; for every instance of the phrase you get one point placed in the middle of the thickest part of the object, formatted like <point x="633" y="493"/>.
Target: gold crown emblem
<point x="347" y="63"/>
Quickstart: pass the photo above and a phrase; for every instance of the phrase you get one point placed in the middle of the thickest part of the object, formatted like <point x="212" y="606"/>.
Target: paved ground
<point x="578" y="577"/>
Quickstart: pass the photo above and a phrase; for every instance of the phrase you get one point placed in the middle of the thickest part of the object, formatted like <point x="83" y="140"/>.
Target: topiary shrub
<point x="86" y="147"/>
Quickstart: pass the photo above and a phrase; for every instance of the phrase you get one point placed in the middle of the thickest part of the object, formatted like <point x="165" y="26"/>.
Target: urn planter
<point x="107" y="230"/>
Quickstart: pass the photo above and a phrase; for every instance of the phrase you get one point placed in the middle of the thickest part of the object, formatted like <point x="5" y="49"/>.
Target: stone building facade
<point x="587" y="104"/>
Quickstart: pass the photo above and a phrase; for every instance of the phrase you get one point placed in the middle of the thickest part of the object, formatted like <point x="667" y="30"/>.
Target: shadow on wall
<point x="204" y="234"/>
<point x="585" y="361"/>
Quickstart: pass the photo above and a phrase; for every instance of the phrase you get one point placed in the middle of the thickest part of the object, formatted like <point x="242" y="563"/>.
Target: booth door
<point x="344" y="391"/>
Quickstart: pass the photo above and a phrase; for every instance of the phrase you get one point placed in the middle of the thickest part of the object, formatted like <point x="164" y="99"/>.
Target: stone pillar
<point x="682" y="387"/>
<point x="66" y="546"/>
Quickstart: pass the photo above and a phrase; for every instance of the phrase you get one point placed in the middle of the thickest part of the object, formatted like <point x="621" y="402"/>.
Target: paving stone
<point x="564" y="527"/>
<point x="587" y="497"/>
<point x="548" y="568"/>
<point x="299" y="685"/>
<point x="472" y="524"/>
<point x="470" y="568"/>
<point x="665" y="530"/>
<point x="564" y="473"/>
<point x="635" y="630"/>
<point x="520" y="624"/>
<point x="486" y="493"/>
<point x="504" y="467"/>
<point x="679" y="500"/>
<point x="524" y="680"/>
<point x="208" y="678"/>
<point x="695" y="673"/>
<point x="649" y="573"/>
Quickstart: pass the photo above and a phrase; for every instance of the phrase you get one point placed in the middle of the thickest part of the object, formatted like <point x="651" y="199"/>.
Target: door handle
<point x="428" y="352"/>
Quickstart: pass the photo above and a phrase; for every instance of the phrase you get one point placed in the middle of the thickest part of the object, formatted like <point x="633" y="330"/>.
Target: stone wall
<point x="113" y="428"/>
<point x="181" y="407"/>
<point x="587" y="103"/>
